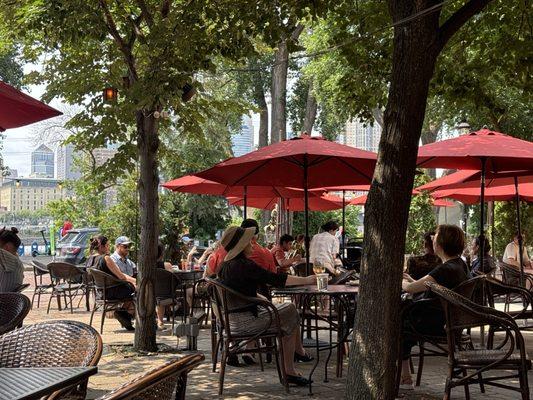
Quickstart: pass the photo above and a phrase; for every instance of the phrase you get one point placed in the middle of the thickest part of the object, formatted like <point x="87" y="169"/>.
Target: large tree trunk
<point x="375" y="345"/>
<point x="310" y="110"/>
<point x="260" y="100"/>
<point x="278" y="91"/>
<point x="148" y="144"/>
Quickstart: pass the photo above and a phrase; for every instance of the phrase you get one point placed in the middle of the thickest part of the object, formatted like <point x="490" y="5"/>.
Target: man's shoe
<point x="248" y="360"/>
<point x="298" y="380"/>
<point x="233" y="361"/>
<point x="124" y="319"/>
<point x="303" y="359"/>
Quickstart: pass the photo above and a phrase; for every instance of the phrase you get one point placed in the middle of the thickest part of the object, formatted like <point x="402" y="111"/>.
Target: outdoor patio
<point x="120" y="364"/>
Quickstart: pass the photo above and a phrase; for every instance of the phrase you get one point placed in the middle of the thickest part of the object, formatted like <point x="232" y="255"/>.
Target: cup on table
<point x="322" y="282"/>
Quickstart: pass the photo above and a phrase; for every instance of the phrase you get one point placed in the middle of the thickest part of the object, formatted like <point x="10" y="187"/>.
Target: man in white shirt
<point x="511" y="255"/>
<point x="325" y="246"/>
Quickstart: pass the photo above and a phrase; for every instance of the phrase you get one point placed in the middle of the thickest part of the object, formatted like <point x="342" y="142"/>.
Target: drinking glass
<point x="322" y="282"/>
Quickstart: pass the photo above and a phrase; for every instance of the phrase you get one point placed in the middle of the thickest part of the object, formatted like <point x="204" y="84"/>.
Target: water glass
<point x="322" y="282"/>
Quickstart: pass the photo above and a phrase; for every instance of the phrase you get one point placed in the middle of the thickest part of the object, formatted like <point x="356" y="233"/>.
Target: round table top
<point x="312" y="289"/>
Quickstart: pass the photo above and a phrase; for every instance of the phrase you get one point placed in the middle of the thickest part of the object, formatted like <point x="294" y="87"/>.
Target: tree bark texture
<point x="310" y="110"/>
<point x="278" y="91"/>
<point x="375" y="346"/>
<point x="260" y="101"/>
<point x="147" y="144"/>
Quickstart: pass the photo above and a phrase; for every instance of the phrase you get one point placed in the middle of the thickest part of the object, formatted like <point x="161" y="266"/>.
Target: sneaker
<point x="248" y="360"/>
<point x="124" y="318"/>
<point x="298" y="380"/>
<point x="303" y="359"/>
<point x="233" y="361"/>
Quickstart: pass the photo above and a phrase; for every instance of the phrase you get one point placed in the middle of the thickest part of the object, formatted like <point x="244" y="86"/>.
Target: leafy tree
<point x="158" y="48"/>
<point x="421" y="218"/>
<point x="10" y="69"/>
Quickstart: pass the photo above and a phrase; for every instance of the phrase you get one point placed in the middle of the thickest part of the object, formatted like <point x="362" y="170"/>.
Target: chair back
<point x="165" y="284"/>
<point x="300" y="269"/>
<point x="104" y="280"/>
<point x="39" y="268"/>
<point x="496" y="288"/>
<point x="13" y="309"/>
<point x="51" y="344"/>
<point x="65" y="271"/>
<point x="462" y="313"/>
<point x="167" y="382"/>
<point x="510" y="275"/>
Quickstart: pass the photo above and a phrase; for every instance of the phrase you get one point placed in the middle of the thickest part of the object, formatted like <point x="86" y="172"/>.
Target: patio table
<point x="34" y="383"/>
<point x="338" y="296"/>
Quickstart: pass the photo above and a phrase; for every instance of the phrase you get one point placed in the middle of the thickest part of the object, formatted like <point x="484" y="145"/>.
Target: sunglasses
<point x="126" y="246"/>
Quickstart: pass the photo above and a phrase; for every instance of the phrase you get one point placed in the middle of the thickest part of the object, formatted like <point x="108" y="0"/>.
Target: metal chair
<point x="233" y="343"/>
<point x="439" y="344"/>
<point x="39" y="271"/>
<point x="52" y="344"/>
<point x="67" y="281"/>
<point x="21" y="288"/>
<point x="103" y="282"/>
<point x="13" y="309"/>
<point x="509" y="354"/>
<point x="167" y="382"/>
<point x="168" y="291"/>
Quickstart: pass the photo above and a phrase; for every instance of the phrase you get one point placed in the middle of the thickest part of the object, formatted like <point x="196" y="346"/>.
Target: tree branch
<point x="145" y="12"/>
<point x="165" y="8"/>
<point x="124" y="48"/>
<point x="458" y="19"/>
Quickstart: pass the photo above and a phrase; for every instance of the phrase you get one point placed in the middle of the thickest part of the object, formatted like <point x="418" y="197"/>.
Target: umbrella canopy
<point x="471" y="195"/>
<point x="316" y="203"/>
<point x="361" y="200"/>
<point x="197" y="185"/>
<point x="443" y="203"/>
<point x="501" y="152"/>
<point x="18" y="109"/>
<point x="282" y="164"/>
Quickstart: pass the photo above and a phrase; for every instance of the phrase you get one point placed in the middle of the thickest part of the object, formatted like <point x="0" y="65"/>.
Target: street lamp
<point x="463" y="127"/>
<point x="110" y="94"/>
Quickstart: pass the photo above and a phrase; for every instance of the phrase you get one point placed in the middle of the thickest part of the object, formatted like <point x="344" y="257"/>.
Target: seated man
<point x="511" y="255"/>
<point x="11" y="268"/>
<point x="324" y="248"/>
<point x="261" y="256"/>
<point x="420" y="266"/>
<point x="279" y="250"/>
<point x="120" y="256"/>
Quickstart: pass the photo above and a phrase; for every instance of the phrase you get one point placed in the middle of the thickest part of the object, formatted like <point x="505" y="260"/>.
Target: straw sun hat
<point x="235" y="239"/>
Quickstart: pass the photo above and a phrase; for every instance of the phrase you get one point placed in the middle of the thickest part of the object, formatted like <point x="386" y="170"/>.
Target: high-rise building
<point x="101" y="155"/>
<point x="42" y="162"/>
<point x="243" y="141"/>
<point x="362" y="135"/>
<point x="29" y="194"/>
<point x="66" y="168"/>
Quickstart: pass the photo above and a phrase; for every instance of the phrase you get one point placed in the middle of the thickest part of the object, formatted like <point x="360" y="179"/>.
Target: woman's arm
<point x="417" y="286"/>
<point x="117" y="272"/>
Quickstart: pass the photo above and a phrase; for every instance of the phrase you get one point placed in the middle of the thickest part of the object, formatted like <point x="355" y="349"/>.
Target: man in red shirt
<point x="262" y="257"/>
<point x="278" y="251"/>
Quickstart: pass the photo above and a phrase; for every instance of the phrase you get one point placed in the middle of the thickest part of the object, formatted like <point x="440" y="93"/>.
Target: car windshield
<point x="74" y="238"/>
<point x="69" y="237"/>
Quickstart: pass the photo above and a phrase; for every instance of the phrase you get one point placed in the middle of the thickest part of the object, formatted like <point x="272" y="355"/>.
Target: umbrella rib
<point x="249" y="173"/>
<point x="355" y="169"/>
<point x="426" y="161"/>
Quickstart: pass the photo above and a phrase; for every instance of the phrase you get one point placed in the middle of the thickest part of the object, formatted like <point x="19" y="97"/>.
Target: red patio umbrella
<point x="18" y="109"/>
<point x="484" y="150"/>
<point x="504" y="192"/>
<point x="196" y="185"/>
<point x="303" y="162"/>
<point x="325" y="202"/>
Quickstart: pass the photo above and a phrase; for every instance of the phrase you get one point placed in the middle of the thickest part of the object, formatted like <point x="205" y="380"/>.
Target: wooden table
<point x="33" y="383"/>
<point x="343" y="296"/>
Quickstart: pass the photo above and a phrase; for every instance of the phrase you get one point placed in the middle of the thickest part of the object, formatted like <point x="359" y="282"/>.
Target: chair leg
<point x="282" y="365"/>
<point x="222" y="367"/>
<point x="481" y="384"/>
<point x="524" y="387"/>
<point x="411" y="366"/>
<point x="260" y="355"/>
<point x="50" y="302"/>
<point x="104" y="310"/>
<point x="92" y="314"/>
<point x="33" y="298"/>
<point x="420" y="364"/>
<point x="467" y="389"/>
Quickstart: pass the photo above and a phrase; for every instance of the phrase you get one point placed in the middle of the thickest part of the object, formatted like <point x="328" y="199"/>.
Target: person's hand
<point x="407" y="277"/>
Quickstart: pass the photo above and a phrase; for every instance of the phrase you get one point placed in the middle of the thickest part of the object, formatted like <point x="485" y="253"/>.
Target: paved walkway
<point x="119" y="364"/>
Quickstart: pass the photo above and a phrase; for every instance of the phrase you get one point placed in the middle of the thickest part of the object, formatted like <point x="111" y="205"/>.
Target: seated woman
<point x="448" y="242"/>
<point x="245" y="276"/>
<point x="11" y="268"/>
<point x="489" y="264"/>
<point x="100" y="260"/>
<point x="420" y="266"/>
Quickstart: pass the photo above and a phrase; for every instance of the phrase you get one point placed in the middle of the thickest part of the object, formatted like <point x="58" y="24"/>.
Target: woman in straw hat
<point x="245" y="276"/>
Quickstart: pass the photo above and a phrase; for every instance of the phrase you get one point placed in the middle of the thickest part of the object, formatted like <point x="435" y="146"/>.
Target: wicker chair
<point x="67" y="281"/>
<point x="166" y="291"/>
<point x="234" y="344"/>
<point x="102" y="282"/>
<point x="13" y="309"/>
<point x="438" y="344"/>
<point x="39" y="271"/>
<point x="508" y="355"/>
<point x="52" y="344"/>
<point x="167" y="382"/>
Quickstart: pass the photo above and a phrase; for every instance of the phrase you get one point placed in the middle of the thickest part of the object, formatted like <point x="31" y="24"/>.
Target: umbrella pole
<point x="343" y="234"/>
<point x="482" y="214"/>
<point x="245" y="202"/>
<point x="306" y="213"/>
<point x="520" y="242"/>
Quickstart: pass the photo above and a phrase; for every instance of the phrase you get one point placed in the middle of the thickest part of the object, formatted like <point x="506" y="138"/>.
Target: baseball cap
<point x="122" y="240"/>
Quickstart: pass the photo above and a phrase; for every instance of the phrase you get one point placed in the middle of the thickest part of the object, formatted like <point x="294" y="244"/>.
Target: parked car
<point x="73" y="247"/>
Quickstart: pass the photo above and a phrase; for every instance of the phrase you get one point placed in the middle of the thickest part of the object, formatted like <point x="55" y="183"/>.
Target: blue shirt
<point x="127" y="266"/>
